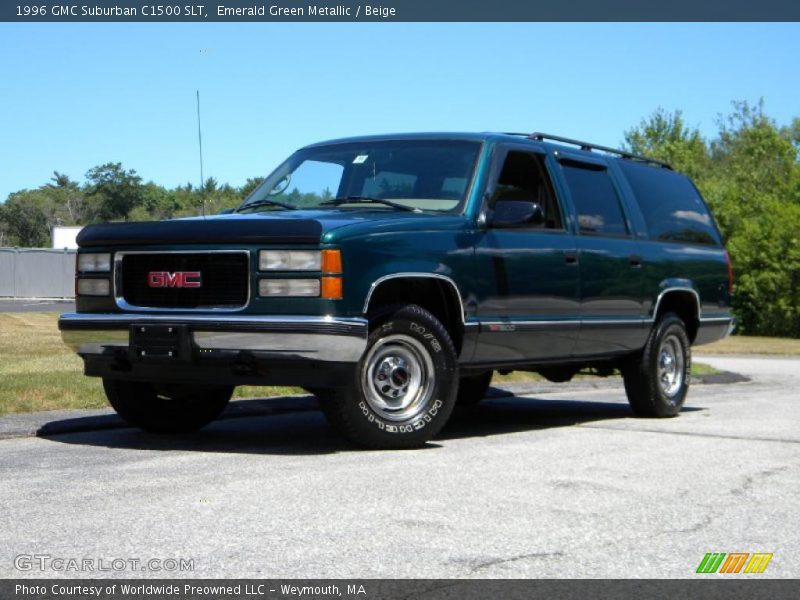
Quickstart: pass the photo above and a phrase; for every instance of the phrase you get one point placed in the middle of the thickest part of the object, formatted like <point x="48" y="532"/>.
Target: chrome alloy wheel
<point x="397" y="377"/>
<point x="671" y="363"/>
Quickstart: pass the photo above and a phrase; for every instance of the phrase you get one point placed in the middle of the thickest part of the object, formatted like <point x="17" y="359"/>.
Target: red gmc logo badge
<point x="178" y="279"/>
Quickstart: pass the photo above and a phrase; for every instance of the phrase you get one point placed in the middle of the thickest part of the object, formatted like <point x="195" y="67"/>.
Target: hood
<point x="276" y="227"/>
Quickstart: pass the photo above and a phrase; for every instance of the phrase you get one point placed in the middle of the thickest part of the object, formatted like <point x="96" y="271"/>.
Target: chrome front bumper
<point x="326" y="339"/>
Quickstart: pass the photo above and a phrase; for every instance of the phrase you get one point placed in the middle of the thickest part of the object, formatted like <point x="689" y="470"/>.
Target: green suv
<point x="391" y="275"/>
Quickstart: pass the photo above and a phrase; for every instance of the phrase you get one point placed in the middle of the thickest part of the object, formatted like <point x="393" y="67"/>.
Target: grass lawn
<point x="38" y="372"/>
<point x="746" y="344"/>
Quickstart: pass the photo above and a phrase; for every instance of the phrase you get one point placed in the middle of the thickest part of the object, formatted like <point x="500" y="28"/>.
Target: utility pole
<point x="200" y="144"/>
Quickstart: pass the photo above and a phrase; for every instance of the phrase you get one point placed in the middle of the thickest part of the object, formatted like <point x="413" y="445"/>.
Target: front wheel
<point x="405" y="385"/>
<point x="166" y="408"/>
<point x="657" y="380"/>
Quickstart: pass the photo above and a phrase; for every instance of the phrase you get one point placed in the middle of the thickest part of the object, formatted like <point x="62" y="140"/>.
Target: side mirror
<point x="516" y="213"/>
<point x="281" y="186"/>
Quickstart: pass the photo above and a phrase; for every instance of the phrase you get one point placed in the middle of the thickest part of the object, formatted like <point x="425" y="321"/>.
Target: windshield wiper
<point x="265" y="202"/>
<point x="368" y="199"/>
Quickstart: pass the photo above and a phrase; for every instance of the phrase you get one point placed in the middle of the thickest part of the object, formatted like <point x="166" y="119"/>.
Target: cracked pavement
<point x="561" y="484"/>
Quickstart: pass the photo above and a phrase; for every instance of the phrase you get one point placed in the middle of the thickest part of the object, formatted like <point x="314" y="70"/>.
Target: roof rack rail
<point x="540" y="137"/>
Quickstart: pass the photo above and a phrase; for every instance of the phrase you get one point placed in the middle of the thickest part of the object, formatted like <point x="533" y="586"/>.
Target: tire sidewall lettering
<point x="426" y="336"/>
<point x="419" y="422"/>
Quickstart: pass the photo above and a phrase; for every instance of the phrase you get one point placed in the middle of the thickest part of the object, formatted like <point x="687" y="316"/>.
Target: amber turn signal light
<point x="331" y="261"/>
<point x="332" y="288"/>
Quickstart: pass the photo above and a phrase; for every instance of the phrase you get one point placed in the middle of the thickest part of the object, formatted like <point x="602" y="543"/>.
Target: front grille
<point x="224" y="280"/>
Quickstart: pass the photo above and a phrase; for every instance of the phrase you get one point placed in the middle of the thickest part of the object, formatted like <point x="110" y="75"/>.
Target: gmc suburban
<point x="392" y="275"/>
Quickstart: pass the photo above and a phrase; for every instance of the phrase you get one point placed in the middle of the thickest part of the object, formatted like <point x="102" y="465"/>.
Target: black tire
<point x="404" y="387"/>
<point x="472" y="389"/>
<point x="168" y="408"/>
<point x="657" y="380"/>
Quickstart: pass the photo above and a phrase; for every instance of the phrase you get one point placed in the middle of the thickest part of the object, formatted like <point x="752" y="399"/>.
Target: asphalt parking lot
<point x="34" y="305"/>
<point x="562" y="484"/>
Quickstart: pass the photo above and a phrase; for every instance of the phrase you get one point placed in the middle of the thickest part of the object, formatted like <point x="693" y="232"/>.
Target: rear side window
<point x="672" y="208"/>
<point x="595" y="198"/>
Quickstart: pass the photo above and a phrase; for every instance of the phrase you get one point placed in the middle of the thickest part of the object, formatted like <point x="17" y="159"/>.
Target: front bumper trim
<point x="325" y="339"/>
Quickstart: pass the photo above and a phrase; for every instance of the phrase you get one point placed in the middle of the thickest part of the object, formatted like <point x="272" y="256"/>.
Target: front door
<point x="527" y="302"/>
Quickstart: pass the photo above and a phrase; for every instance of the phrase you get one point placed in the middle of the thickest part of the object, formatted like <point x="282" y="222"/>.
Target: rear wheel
<point x="404" y="386"/>
<point x="166" y="408"/>
<point x="657" y="380"/>
<point x="472" y="389"/>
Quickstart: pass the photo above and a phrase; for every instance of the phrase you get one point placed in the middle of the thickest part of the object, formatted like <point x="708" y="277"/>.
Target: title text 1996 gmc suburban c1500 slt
<point x="391" y="275"/>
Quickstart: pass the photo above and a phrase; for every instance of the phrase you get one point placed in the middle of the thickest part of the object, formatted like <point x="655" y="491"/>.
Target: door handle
<point x="635" y="260"/>
<point x="571" y="258"/>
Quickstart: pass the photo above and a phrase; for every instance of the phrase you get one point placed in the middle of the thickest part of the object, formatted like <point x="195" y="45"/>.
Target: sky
<point x="73" y="96"/>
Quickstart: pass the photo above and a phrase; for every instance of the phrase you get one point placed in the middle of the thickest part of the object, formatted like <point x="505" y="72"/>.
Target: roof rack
<point x="588" y="147"/>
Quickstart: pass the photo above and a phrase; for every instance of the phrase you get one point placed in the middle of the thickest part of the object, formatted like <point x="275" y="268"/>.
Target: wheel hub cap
<point x="397" y="377"/>
<point x="392" y="376"/>
<point x="671" y="362"/>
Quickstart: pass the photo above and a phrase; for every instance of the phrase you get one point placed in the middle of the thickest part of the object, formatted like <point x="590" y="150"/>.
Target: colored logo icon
<point x="736" y="562"/>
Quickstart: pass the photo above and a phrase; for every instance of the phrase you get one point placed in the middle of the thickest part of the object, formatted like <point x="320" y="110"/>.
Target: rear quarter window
<point x="595" y="199"/>
<point x="671" y="205"/>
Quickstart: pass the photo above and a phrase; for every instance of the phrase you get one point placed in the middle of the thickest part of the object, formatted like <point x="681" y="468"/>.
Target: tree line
<point x="748" y="172"/>
<point x="749" y="175"/>
<point x="108" y="193"/>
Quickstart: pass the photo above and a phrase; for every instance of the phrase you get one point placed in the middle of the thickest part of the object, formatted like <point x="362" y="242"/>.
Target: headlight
<point x="94" y="262"/>
<point x="93" y="287"/>
<point x="289" y="287"/>
<point x="289" y="260"/>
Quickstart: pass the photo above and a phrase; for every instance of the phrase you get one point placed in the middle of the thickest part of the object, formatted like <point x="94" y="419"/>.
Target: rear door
<point x="609" y="259"/>
<point x="527" y="300"/>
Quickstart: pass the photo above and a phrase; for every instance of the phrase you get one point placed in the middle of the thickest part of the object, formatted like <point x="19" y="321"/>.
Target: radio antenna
<point x="200" y="144"/>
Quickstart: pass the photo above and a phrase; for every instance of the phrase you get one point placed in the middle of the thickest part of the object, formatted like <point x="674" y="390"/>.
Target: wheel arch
<point x="683" y="301"/>
<point x="434" y="292"/>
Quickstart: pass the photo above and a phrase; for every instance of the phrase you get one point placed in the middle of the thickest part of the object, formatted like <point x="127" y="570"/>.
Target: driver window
<point x="524" y="178"/>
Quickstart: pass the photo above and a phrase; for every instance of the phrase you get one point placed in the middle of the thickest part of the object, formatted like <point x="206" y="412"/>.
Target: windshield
<point x="429" y="175"/>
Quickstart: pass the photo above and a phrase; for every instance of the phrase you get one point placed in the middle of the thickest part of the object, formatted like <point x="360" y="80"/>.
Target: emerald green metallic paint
<point x="522" y="300"/>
